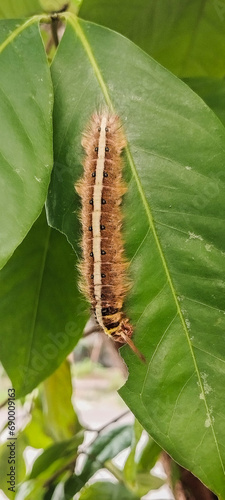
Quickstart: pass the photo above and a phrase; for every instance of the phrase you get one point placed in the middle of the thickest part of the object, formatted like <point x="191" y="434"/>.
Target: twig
<point x="65" y="467"/>
<point x="114" y="470"/>
<point x="4" y="403"/>
<point x="109" y="423"/>
<point x="54" y="29"/>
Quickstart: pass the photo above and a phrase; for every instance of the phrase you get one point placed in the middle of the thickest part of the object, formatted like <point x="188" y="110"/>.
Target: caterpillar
<point x="103" y="266"/>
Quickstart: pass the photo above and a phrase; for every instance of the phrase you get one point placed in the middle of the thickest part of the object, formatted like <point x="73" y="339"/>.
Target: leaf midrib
<point x="76" y="26"/>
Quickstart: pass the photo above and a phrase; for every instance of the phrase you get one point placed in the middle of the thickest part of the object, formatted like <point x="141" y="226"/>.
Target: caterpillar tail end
<point x="133" y="347"/>
<point x="126" y="331"/>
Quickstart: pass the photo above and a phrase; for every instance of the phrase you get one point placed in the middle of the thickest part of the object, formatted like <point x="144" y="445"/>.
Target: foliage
<point x="173" y="222"/>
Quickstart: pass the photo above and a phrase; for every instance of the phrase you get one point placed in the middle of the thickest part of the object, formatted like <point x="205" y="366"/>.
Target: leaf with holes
<point x="173" y="231"/>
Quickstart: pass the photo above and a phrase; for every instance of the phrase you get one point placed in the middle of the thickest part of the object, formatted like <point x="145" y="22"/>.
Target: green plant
<point x="173" y="210"/>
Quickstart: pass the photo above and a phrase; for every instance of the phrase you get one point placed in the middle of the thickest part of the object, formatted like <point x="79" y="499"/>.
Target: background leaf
<point x="136" y="472"/>
<point x="149" y="455"/>
<point x="59" y="412"/>
<point x="105" y="490"/>
<point x="186" y="37"/>
<point x="16" y="9"/>
<point x="35" y="432"/>
<point x="55" y="456"/>
<point x="5" y="466"/>
<point x="40" y="282"/>
<point x="174" y="233"/>
<point x="105" y="447"/>
<point x="57" y="5"/>
<point x="25" y="131"/>
<point x="212" y="91"/>
<point x="130" y="466"/>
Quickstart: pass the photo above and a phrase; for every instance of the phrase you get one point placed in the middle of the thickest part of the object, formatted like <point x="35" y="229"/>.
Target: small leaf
<point x="130" y="466"/>
<point x="146" y="482"/>
<point x="35" y="431"/>
<point x="60" y="416"/>
<point x="26" y="131"/>
<point x="105" y="447"/>
<point x="149" y="455"/>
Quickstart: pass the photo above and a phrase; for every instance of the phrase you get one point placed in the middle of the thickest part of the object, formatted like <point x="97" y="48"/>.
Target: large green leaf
<point x="40" y="314"/>
<point x="173" y="228"/>
<point x="187" y="36"/>
<point x="25" y="131"/>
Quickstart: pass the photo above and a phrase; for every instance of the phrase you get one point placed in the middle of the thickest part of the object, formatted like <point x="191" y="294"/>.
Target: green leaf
<point x="149" y="455"/>
<point x="212" y="91"/>
<point x="146" y="482"/>
<point x="15" y="9"/>
<point x="186" y="37"/>
<point x="5" y="466"/>
<point x="30" y="490"/>
<point x="25" y="131"/>
<point x="52" y="5"/>
<point x="105" y="490"/>
<point x="61" y="419"/>
<point x="53" y="457"/>
<point x="130" y="466"/>
<point x="137" y="477"/>
<point x="105" y="447"/>
<point x="173" y="229"/>
<point x="35" y="431"/>
<point x="38" y="285"/>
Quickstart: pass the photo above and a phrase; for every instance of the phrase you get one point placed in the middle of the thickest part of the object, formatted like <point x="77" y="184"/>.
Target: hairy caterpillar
<point x="103" y="277"/>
